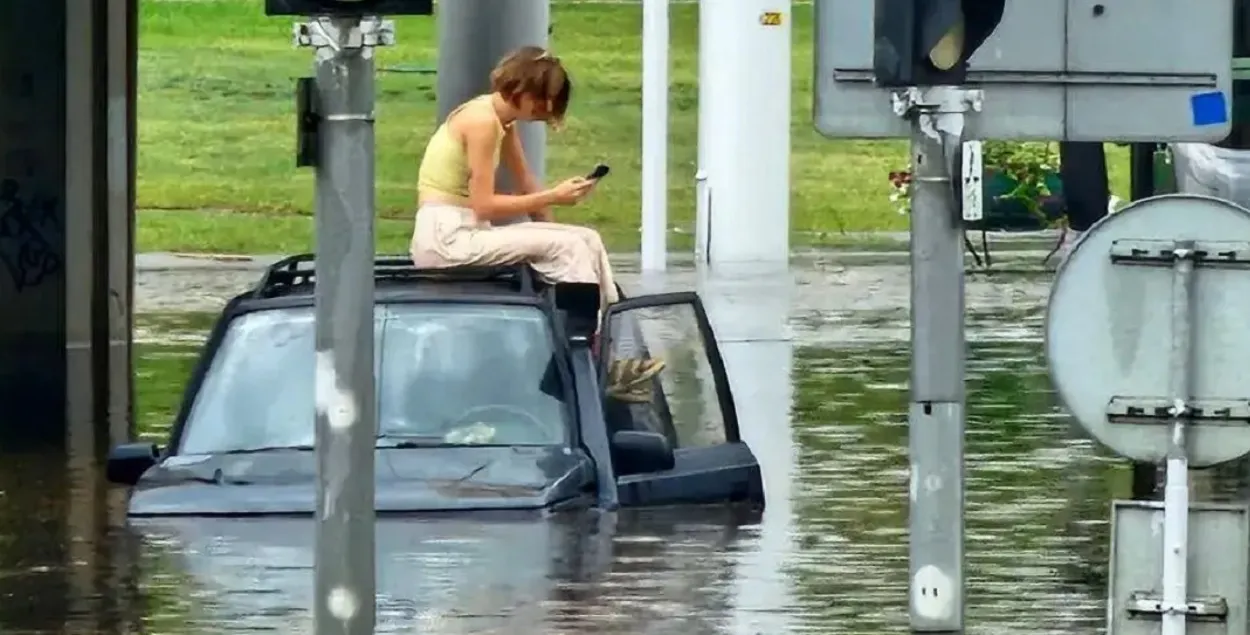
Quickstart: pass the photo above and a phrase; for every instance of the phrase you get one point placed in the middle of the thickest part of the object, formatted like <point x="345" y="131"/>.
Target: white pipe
<point x="703" y="192"/>
<point x="702" y="210"/>
<point x="1175" y="545"/>
<point x="654" y="135"/>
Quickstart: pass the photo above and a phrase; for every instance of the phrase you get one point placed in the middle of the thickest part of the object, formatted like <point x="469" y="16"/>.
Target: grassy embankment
<point x="216" y="136"/>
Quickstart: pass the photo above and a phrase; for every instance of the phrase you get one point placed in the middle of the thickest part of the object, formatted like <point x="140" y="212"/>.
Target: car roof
<point x="292" y="282"/>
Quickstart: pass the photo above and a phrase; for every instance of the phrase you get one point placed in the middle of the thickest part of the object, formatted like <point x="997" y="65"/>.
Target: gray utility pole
<point x="473" y="35"/>
<point x="346" y="410"/>
<point x="936" y="415"/>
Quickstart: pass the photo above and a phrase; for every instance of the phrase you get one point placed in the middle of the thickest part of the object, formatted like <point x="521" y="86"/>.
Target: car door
<point x="688" y="401"/>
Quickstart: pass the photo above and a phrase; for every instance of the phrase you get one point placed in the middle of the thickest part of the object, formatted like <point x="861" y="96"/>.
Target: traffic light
<point x="349" y="7"/>
<point x="928" y="42"/>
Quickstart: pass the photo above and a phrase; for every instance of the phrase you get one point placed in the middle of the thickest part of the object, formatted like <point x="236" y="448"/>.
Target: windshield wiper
<point x="386" y="442"/>
<point x="268" y="448"/>
<point x="405" y="441"/>
<point x="411" y="441"/>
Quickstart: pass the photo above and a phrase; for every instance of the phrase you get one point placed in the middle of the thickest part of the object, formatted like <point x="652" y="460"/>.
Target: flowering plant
<point x="1015" y="173"/>
<point x="1027" y="166"/>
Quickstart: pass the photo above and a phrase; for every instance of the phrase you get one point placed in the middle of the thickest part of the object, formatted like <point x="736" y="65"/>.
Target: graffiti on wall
<point x="31" y="233"/>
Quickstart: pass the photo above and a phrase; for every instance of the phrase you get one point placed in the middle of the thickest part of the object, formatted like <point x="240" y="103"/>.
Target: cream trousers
<point x="449" y="236"/>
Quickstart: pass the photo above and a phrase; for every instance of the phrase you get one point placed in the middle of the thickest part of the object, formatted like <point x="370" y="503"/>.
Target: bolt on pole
<point x="346" y="416"/>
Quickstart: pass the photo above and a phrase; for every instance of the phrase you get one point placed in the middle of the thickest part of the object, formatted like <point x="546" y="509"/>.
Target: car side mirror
<point x="638" y="452"/>
<point x="127" y="462"/>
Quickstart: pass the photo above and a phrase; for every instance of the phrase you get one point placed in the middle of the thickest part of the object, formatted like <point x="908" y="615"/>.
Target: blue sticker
<point x="1209" y="109"/>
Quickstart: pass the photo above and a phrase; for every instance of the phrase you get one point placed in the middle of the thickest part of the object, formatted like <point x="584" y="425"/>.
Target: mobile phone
<point x="599" y="172"/>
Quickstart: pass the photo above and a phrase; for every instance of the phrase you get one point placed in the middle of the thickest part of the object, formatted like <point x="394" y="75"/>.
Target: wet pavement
<point x="819" y="363"/>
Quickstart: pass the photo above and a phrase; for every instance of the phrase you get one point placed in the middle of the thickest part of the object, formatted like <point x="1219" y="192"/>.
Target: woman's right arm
<point x="481" y="136"/>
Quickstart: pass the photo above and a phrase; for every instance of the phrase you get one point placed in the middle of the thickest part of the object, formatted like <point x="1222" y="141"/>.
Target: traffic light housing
<point x="349" y="7"/>
<point x="929" y="42"/>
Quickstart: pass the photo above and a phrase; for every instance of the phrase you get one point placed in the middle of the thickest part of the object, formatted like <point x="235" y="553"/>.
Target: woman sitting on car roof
<point x="460" y="211"/>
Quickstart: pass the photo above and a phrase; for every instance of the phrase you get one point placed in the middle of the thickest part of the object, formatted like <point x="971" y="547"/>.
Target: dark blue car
<point x="490" y="396"/>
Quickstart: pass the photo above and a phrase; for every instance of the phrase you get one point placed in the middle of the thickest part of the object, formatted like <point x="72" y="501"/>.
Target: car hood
<point x="406" y="480"/>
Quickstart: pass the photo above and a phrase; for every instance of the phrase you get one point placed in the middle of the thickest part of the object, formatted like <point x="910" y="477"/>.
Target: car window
<point x="680" y="401"/>
<point x="446" y="373"/>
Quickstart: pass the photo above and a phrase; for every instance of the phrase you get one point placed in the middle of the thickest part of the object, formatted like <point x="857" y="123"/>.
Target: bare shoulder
<point x="474" y="119"/>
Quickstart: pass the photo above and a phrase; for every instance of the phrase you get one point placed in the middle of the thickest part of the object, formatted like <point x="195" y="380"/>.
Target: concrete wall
<point x="67" y="70"/>
<point x="66" y="174"/>
<point x="32" y="220"/>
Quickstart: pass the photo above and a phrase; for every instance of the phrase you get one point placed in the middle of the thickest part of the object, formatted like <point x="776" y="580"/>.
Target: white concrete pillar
<point x="655" y="43"/>
<point x="744" y="131"/>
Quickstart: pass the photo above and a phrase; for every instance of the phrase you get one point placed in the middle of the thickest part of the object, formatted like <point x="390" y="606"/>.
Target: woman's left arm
<point x="513" y="155"/>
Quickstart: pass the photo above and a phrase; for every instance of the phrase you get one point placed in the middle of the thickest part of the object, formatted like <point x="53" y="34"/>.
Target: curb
<point x="872" y="247"/>
<point x="625" y="263"/>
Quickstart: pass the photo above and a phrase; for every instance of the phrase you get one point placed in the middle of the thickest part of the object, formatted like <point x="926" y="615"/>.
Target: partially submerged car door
<point x="688" y="401"/>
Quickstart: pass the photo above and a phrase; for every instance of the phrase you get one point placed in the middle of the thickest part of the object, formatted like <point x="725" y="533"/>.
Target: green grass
<point x="216" y="131"/>
<point x="161" y="372"/>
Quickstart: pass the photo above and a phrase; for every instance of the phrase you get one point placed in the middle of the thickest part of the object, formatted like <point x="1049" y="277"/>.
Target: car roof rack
<point x="300" y="269"/>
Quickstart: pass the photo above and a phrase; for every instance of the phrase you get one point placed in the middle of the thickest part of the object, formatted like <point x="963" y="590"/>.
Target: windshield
<point x="446" y="374"/>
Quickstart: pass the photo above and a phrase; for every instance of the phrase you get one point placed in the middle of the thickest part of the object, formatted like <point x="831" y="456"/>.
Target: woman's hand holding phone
<point x="571" y="191"/>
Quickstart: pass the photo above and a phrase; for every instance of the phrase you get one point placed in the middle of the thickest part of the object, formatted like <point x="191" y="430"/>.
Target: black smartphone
<point x="599" y="172"/>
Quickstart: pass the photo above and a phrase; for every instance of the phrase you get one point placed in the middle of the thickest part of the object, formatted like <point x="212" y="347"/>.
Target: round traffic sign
<point x="1109" y="329"/>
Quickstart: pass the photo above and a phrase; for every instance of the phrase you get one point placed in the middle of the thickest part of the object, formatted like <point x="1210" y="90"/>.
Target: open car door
<point x="688" y="401"/>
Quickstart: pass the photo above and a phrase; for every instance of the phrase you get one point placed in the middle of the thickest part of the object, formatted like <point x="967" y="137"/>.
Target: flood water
<point x="819" y="363"/>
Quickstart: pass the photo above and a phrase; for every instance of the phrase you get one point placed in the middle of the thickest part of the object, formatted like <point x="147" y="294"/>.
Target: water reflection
<point x="750" y="310"/>
<point x="1037" y="495"/>
<point x="637" y="572"/>
<point x="829" y="555"/>
<point x="64" y="565"/>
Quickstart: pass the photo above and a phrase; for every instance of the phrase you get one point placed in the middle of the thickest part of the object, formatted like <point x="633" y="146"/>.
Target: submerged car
<point x="494" y="392"/>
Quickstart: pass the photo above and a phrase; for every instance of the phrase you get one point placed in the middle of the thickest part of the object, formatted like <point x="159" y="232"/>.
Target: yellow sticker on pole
<point x="770" y="18"/>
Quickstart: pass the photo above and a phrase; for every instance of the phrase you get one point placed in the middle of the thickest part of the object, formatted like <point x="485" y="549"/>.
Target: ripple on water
<point x="1025" y="476"/>
<point x="1036" y="532"/>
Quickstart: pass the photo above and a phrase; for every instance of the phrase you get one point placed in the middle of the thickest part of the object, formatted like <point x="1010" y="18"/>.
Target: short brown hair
<point x="534" y="72"/>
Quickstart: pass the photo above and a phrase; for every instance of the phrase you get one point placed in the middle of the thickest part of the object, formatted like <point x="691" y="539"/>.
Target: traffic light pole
<point x="346" y="424"/>
<point x="936" y="413"/>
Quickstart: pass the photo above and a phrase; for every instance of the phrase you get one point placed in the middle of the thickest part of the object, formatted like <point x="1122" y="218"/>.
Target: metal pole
<point x="1176" y="487"/>
<point x="654" y="135"/>
<point x="472" y="37"/>
<point x="936" y="418"/>
<point x="346" y="411"/>
<point x="1142" y="170"/>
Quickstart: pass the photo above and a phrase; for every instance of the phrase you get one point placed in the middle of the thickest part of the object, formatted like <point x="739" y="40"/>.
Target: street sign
<point x="1109" y="336"/>
<point x="1072" y="70"/>
<point x="1217" y="570"/>
<point x="1146" y="343"/>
